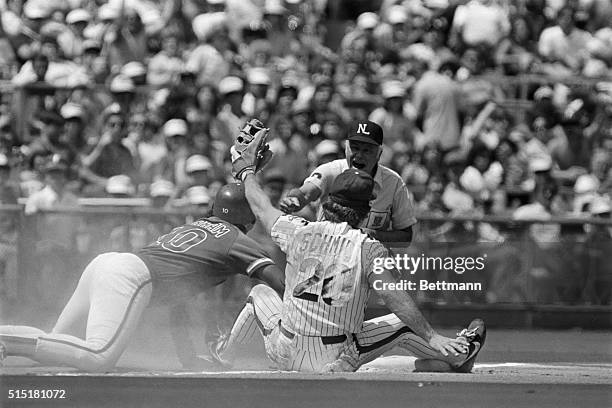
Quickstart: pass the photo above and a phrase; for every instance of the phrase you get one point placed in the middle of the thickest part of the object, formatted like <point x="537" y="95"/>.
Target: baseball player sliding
<point x="319" y="324"/>
<point x="115" y="288"/>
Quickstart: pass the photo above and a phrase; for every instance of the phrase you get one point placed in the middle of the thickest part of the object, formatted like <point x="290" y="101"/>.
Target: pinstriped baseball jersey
<point x="326" y="287"/>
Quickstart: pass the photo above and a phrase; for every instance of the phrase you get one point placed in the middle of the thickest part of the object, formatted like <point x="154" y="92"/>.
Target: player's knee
<point x="95" y="362"/>
<point x="261" y="291"/>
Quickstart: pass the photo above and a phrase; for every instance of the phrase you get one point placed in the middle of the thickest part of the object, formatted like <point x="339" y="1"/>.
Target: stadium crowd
<point x="142" y="98"/>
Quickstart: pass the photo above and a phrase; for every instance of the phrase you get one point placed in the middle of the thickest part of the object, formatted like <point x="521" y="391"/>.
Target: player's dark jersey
<point x="203" y="253"/>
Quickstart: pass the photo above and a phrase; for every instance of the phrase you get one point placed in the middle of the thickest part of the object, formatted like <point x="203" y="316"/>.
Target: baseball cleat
<point x="476" y="333"/>
<point x="215" y="349"/>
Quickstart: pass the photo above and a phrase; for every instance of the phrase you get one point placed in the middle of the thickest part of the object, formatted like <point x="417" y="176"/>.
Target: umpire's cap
<point x="231" y="205"/>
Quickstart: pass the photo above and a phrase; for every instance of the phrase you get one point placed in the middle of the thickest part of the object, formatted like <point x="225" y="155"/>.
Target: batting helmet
<point x="231" y="205"/>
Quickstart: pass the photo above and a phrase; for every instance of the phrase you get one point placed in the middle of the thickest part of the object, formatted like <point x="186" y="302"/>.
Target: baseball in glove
<point x="250" y="152"/>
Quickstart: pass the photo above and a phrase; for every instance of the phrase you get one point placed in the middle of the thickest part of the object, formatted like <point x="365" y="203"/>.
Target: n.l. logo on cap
<point x="361" y="128"/>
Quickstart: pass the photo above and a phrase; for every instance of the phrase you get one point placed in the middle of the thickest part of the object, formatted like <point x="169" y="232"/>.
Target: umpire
<point x="391" y="216"/>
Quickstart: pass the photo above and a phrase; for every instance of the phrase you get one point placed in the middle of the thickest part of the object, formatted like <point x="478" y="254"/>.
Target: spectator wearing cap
<point x="198" y="197"/>
<point x="363" y="30"/>
<point x="255" y="101"/>
<point x="105" y="17"/>
<point x="55" y="191"/>
<point x="564" y="46"/>
<point x="172" y="166"/>
<point x="123" y="91"/>
<point x="394" y="32"/>
<point x="49" y="142"/>
<point x="396" y="126"/>
<point x="71" y="40"/>
<point x="436" y="100"/>
<point x="161" y="192"/>
<point x="165" y="67"/>
<point x="120" y="186"/>
<point x="210" y="59"/>
<point x="231" y="115"/>
<point x="136" y="71"/>
<point x="585" y="191"/>
<point x="94" y="63"/>
<point x="392" y="214"/>
<point x="326" y="151"/>
<point x="198" y="168"/>
<point x="110" y="156"/>
<point x="74" y="127"/>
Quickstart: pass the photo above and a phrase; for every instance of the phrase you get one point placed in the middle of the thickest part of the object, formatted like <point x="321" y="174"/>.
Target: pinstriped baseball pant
<point x="309" y="354"/>
<point x="111" y="295"/>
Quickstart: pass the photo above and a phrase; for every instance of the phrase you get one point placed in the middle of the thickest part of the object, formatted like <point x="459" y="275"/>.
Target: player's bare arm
<point x="401" y="303"/>
<point x="273" y="276"/>
<point x="298" y="198"/>
<point x="260" y="203"/>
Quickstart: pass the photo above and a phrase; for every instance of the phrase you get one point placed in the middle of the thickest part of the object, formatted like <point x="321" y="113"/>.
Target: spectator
<point x="479" y="23"/>
<point x="391" y="114"/>
<point x="436" y="100"/>
<point x="50" y="140"/>
<point x="48" y="66"/>
<point x="208" y="59"/>
<point x="564" y="45"/>
<point x="231" y="116"/>
<point x="110" y="156"/>
<point x="166" y="66"/>
<point x="198" y="198"/>
<point x="71" y="40"/>
<point x="161" y="193"/>
<point x="199" y="170"/>
<point x="172" y="166"/>
<point x="55" y="192"/>
<point x="127" y="39"/>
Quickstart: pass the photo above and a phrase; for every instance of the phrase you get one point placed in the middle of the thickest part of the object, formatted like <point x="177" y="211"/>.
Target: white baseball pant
<point x="109" y="300"/>
<point x="309" y="354"/>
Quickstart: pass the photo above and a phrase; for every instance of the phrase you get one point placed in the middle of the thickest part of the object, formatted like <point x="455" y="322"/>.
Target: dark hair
<point x="337" y="213"/>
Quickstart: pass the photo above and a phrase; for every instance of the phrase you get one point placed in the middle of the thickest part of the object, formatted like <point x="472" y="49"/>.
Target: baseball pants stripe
<point x="262" y="310"/>
<point x="383" y="333"/>
<point x="109" y="300"/>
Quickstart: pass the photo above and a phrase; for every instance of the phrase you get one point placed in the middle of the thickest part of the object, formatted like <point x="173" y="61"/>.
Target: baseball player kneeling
<point x="319" y="324"/>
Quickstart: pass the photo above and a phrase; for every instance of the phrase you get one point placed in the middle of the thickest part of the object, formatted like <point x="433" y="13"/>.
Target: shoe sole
<point x="475" y="346"/>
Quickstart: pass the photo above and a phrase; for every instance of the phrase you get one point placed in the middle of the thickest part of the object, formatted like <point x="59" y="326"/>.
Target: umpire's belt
<point x="341" y="338"/>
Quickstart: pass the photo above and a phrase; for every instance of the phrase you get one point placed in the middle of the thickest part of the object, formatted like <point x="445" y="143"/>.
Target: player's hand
<point x="289" y="205"/>
<point x="446" y="345"/>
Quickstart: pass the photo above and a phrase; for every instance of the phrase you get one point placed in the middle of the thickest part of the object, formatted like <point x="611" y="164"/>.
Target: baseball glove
<point x="250" y="152"/>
